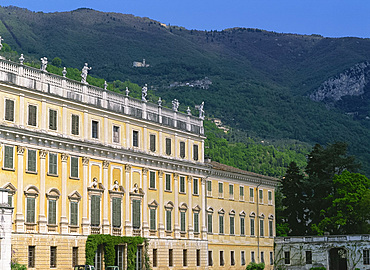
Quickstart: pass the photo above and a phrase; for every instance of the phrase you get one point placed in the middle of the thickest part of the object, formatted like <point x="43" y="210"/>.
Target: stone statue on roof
<point x="201" y="110"/>
<point x="175" y="105"/>
<point x="1" y="45"/>
<point x="44" y="63"/>
<point x="84" y="72"/>
<point x="144" y="92"/>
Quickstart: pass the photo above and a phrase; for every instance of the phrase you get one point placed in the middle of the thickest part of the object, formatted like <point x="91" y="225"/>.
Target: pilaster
<point x="19" y="218"/>
<point x="161" y="205"/>
<point x="128" y="224"/>
<point x="85" y="198"/>
<point x="106" y="226"/>
<point x="176" y="206"/>
<point x="190" y="212"/>
<point x="63" y="216"/>
<point x="145" y="203"/>
<point x="42" y="218"/>
<point x="203" y="212"/>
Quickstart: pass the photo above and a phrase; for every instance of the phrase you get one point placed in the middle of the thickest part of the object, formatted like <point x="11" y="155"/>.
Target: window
<point x="231" y="191"/>
<point x="170" y="257"/>
<point x="198" y="257"/>
<point x="74" y="256"/>
<point x="260" y="195"/>
<point x="242" y="257"/>
<point x="53" y="119"/>
<point x="116" y="212"/>
<point x="168" y="182"/>
<point x="196" y="222"/>
<point x="95" y="210"/>
<point x="182" y="149"/>
<point x="116" y="134"/>
<point x="30" y="208"/>
<point x="152" y="142"/>
<point x="135" y="138"/>
<point x="94" y="129"/>
<point x="9" y="110"/>
<point x="271" y="228"/>
<point x="136" y="214"/>
<point x="221" y="224"/>
<point x="222" y="261"/>
<point x="32" y="115"/>
<point x="271" y="258"/>
<point x="8" y="157"/>
<point x="53" y="257"/>
<point x="168" y="146"/>
<point x="241" y="193"/>
<point x="75" y="124"/>
<point x="182" y="184"/>
<point x="52" y="212"/>
<point x="182" y="221"/>
<point x="184" y="257"/>
<point x="209" y="222"/>
<point x="155" y="257"/>
<point x="308" y="257"/>
<point x="196" y="186"/>
<point x="366" y="256"/>
<point x="232" y="225"/>
<point x="152" y="219"/>
<point x="195" y="152"/>
<point x="220" y="189"/>
<point x="287" y="257"/>
<point x="209" y="188"/>
<point x="252" y="226"/>
<point x="210" y="259"/>
<point x="262" y="231"/>
<point x="232" y="257"/>
<point x="74" y="213"/>
<point x="242" y="226"/>
<point x="269" y="195"/>
<point x="251" y="194"/>
<point x="31" y="160"/>
<point x="168" y="221"/>
<point x="252" y="257"/>
<point x="151" y="179"/>
<point x="74" y="167"/>
<point x="53" y="164"/>
<point x="31" y="256"/>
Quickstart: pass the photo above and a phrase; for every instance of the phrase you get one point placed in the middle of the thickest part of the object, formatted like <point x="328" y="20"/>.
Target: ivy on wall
<point x="109" y="242"/>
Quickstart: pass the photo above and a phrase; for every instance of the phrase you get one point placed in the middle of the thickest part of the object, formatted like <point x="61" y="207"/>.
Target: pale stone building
<point x="5" y="230"/>
<point x="80" y="160"/>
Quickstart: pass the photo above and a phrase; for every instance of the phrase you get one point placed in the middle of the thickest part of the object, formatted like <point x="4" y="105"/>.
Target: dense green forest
<point x="260" y="80"/>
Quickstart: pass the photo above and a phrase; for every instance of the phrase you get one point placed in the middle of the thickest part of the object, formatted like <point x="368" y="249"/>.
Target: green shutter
<point x="168" y="220"/>
<point x="75" y="124"/>
<point x="10" y="200"/>
<point x="252" y="226"/>
<point x="261" y="228"/>
<point x="31" y="160"/>
<point x="209" y="186"/>
<point x="116" y="212"/>
<point x="241" y="191"/>
<point x="74" y="213"/>
<point x="242" y="226"/>
<point x="8" y="157"/>
<point x="52" y="119"/>
<point x="95" y="210"/>
<point x="195" y="187"/>
<point x="220" y="188"/>
<point x="30" y="210"/>
<point x="221" y="224"/>
<point x="53" y="165"/>
<point x="168" y="182"/>
<point x="152" y="180"/>
<point x="182" y="184"/>
<point x="136" y="213"/>
<point x="153" y="218"/>
<point x="195" y="152"/>
<point x="52" y="213"/>
<point x="196" y="222"/>
<point x="182" y="221"/>
<point x="74" y="167"/>
<point x="232" y="228"/>
<point x="209" y="223"/>
<point x="9" y="110"/>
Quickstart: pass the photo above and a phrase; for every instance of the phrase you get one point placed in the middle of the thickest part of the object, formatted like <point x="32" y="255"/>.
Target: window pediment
<point x="252" y="214"/>
<point x="196" y="208"/>
<point x="183" y="207"/>
<point x="53" y="193"/>
<point x="11" y="189"/>
<point x="74" y="196"/>
<point x="169" y="205"/>
<point x="221" y="211"/>
<point x="31" y="190"/>
<point x="242" y="213"/>
<point x="210" y="209"/>
<point x="153" y="204"/>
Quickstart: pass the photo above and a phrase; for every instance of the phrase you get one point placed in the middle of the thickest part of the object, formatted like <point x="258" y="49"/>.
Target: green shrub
<point x="318" y="268"/>
<point x="255" y="266"/>
<point x="16" y="266"/>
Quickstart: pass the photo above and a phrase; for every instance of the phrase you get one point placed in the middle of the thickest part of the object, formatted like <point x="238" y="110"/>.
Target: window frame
<point x="95" y="133"/>
<point x="5" y="159"/>
<point x="28" y="161"/>
<point x="77" y="160"/>
<point x="152" y="143"/>
<point x="168" y="146"/>
<point x="50" y="127"/>
<point x="5" y="110"/>
<point x="51" y="173"/>
<point x="135" y="138"/>
<point x="116" y="134"/>
<point x="29" y="115"/>
<point x="182" y="151"/>
<point x="75" y="120"/>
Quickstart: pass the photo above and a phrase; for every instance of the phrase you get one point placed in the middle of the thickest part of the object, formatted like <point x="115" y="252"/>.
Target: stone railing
<point x="326" y="238"/>
<point x="38" y="80"/>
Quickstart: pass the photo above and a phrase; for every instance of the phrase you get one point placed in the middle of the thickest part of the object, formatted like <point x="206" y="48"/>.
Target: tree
<point x="348" y="212"/>
<point x="56" y="62"/>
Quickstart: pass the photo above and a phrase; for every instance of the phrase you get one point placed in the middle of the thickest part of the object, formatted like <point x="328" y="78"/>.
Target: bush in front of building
<point x="255" y="266"/>
<point x="17" y="266"/>
<point x="318" y="268"/>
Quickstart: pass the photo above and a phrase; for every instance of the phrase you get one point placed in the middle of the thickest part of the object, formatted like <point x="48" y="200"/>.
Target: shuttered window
<point x="152" y="180"/>
<point x="182" y="184"/>
<point x="241" y="191"/>
<point x="271" y="228"/>
<point x="116" y="212"/>
<point x="196" y="222"/>
<point x="136" y="213"/>
<point x="231" y="190"/>
<point x="53" y="119"/>
<point x="8" y="157"/>
<point x="152" y="142"/>
<point x="182" y="149"/>
<point x="31" y="160"/>
<point x="195" y="152"/>
<point x="168" y="182"/>
<point x="74" y="167"/>
<point x="262" y="231"/>
<point x="9" y="110"/>
<point x="75" y="124"/>
<point x="209" y="223"/>
<point x="252" y="226"/>
<point x="52" y="212"/>
<point x="168" y="146"/>
<point x="168" y="220"/>
<point x="242" y="225"/>
<point x="53" y="164"/>
<point x="182" y="221"/>
<point x="152" y="217"/>
<point x="74" y="213"/>
<point x="251" y="195"/>
<point x="232" y="225"/>
<point x="95" y="210"/>
<point x="30" y="218"/>
<point x="94" y="129"/>
<point x="135" y="138"/>
<point x="221" y="224"/>
<point x="32" y="111"/>
<point x="116" y="134"/>
<point x="196" y="186"/>
<point x="209" y="186"/>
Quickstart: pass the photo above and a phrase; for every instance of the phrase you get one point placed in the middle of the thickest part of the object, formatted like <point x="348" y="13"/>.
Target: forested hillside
<point x="260" y="80"/>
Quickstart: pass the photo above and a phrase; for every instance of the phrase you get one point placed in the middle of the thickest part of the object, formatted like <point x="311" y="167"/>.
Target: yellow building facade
<point x="80" y="160"/>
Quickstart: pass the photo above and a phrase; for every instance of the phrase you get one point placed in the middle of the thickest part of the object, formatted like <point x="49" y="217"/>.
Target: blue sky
<point x="330" y="18"/>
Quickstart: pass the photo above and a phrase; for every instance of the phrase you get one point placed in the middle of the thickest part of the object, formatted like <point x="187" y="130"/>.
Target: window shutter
<point x="209" y="223"/>
<point x="95" y="210"/>
<point x="136" y="213"/>
<point x="242" y="226"/>
<point x="168" y="182"/>
<point x="10" y="200"/>
<point x="195" y="152"/>
<point x="31" y="166"/>
<point x="261" y="228"/>
<point x="168" y="146"/>
<point x="152" y="143"/>
<point x="221" y="221"/>
<point x="168" y="220"/>
<point x="53" y="166"/>
<point x="30" y="210"/>
<point x="152" y="218"/>
<point x="74" y="213"/>
<point x="232" y="225"/>
<point x="52" y="212"/>
<point x="252" y="226"/>
<point x="152" y="180"/>
<point x="8" y="157"/>
<point x="182" y="184"/>
<point x="74" y="167"/>
<point x="183" y="216"/>
<point x="9" y="110"/>
<point x="182" y="149"/>
<point x="75" y="124"/>
<point x="220" y="188"/>
<point x="116" y="219"/>
<point x="53" y="119"/>
<point x="196" y="222"/>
